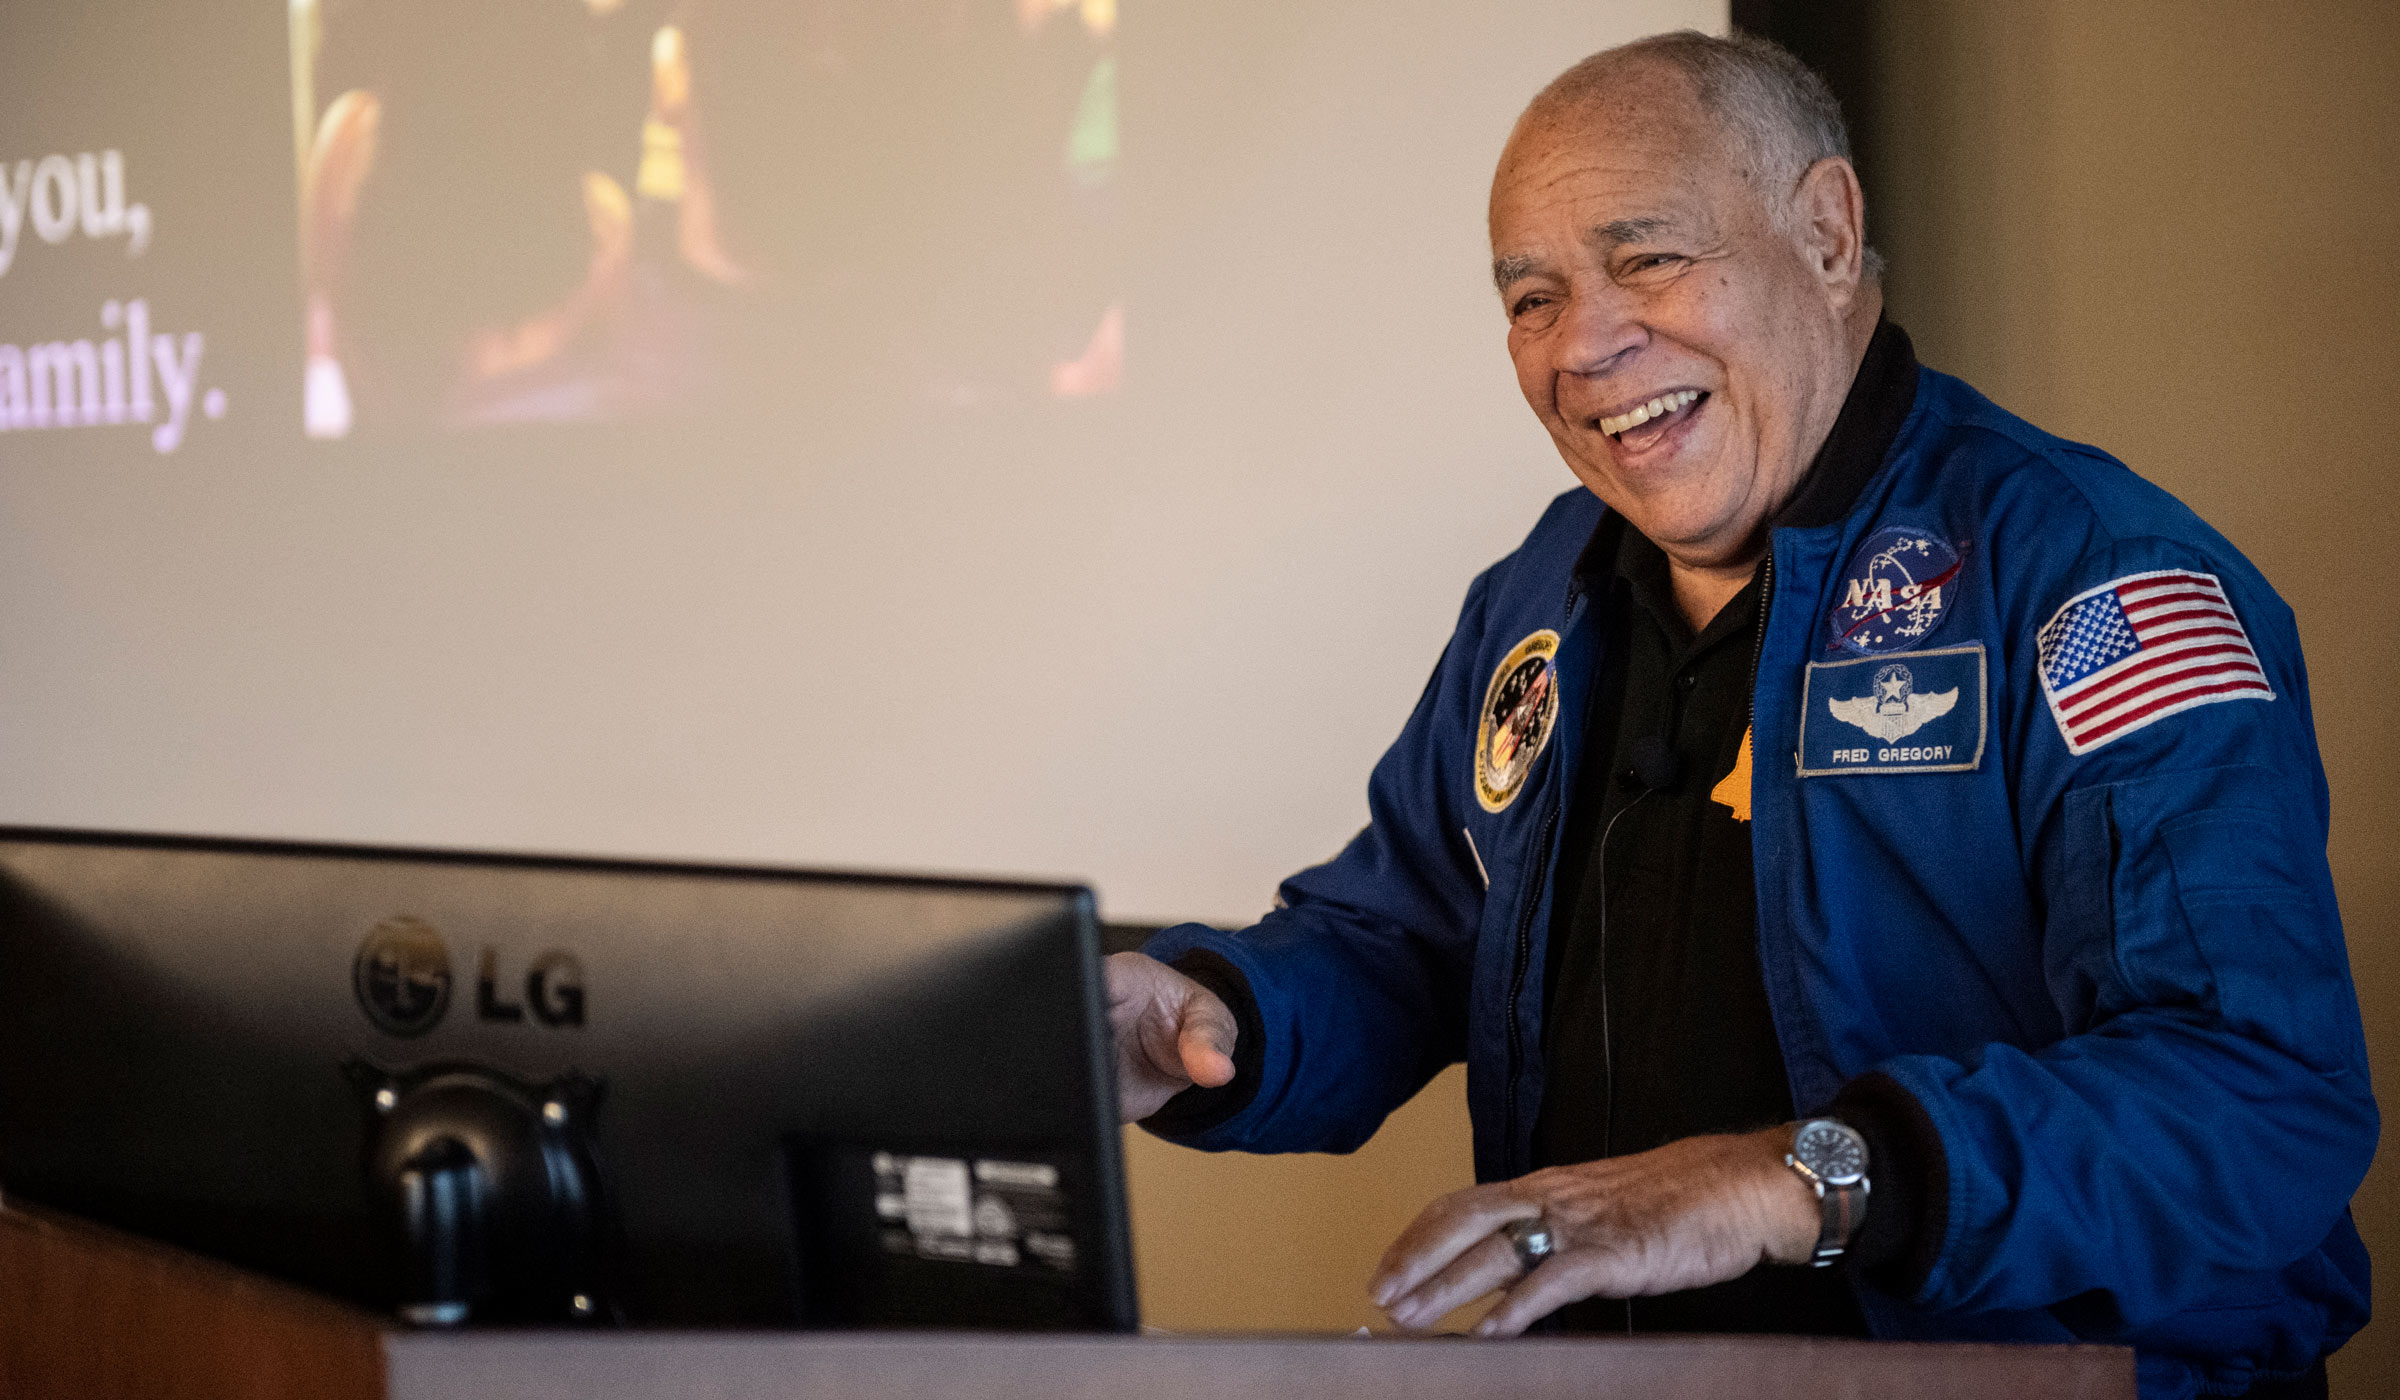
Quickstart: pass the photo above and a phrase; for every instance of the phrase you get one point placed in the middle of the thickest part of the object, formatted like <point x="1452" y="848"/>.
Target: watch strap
<point x="1840" y="1208"/>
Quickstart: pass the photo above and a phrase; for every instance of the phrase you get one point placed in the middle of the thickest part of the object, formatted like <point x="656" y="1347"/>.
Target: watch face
<point x="1833" y="1151"/>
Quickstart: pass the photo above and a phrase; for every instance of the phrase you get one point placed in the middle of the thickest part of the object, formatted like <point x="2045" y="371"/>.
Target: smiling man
<point x="1858" y="828"/>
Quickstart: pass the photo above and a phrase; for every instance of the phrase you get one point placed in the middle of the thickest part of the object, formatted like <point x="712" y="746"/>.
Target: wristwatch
<point x="1831" y="1157"/>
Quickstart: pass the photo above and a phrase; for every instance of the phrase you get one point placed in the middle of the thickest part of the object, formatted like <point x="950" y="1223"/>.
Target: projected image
<point x="547" y="211"/>
<point x="1092" y="162"/>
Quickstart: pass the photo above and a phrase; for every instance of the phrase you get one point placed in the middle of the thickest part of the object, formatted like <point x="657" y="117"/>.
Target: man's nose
<point x="1597" y="331"/>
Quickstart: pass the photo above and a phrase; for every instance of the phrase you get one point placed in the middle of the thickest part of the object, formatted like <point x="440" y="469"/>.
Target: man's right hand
<point x="1171" y="1033"/>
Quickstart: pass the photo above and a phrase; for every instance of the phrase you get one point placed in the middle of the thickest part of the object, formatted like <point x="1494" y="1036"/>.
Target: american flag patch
<point x="2140" y="648"/>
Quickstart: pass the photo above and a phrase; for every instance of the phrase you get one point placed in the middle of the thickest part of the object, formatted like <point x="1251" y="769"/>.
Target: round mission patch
<point x="1896" y="591"/>
<point x="1520" y="707"/>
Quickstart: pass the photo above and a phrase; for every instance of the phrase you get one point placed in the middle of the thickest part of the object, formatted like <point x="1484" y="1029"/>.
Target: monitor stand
<point x="488" y="1185"/>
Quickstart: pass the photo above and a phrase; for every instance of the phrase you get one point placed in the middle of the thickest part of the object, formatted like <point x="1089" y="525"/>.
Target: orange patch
<point x="1734" y="792"/>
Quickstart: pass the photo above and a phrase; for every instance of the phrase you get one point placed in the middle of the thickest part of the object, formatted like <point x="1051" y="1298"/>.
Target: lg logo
<point x="402" y="978"/>
<point x="553" y="990"/>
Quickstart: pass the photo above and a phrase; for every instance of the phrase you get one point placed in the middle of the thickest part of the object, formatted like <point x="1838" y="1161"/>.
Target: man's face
<point x="1644" y="277"/>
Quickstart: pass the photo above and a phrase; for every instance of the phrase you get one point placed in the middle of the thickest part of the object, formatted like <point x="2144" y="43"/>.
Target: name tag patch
<point x="1918" y="712"/>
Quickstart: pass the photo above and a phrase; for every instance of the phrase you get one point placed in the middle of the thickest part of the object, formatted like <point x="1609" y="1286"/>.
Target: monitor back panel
<point x="807" y="1082"/>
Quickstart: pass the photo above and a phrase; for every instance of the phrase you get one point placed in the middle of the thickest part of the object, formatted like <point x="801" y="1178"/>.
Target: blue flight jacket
<point x="2115" y="980"/>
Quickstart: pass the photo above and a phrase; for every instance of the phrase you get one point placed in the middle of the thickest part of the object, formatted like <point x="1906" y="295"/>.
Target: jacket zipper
<point x="1516" y="981"/>
<point x="1758" y="645"/>
<point x="1524" y="951"/>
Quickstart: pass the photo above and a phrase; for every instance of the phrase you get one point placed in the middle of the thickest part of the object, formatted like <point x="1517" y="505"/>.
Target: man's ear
<point x="1832" y="212"/>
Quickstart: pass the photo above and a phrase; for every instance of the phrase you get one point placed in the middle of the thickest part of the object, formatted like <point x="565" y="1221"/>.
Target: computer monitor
<point x="484" y="1088"/>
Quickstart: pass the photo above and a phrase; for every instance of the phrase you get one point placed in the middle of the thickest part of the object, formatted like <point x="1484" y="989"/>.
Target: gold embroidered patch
<point x="1520" y="707"/>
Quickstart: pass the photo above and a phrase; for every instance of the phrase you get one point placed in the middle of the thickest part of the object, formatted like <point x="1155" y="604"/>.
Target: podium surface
<point x="86" y="1312"/>
<point x="943" y="1366"/>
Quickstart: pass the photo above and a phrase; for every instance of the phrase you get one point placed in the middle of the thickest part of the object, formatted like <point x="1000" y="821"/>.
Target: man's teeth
<point x="1659" y="407"/>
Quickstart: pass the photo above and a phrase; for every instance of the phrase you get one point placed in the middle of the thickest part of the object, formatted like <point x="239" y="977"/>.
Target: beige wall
<point x="1279" y="1244"/>
<point x="2162" y="226"/>
<point x="2167" y="227"/>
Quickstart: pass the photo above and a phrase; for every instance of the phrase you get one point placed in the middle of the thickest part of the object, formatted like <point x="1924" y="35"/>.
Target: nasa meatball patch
<point x="1919" y="713"/>
<point x="1895" y="593"/>
<point x="1520" y="707"/>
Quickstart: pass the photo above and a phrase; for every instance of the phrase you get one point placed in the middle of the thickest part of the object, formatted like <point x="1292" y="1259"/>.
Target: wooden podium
<point x="87" y="1314"/>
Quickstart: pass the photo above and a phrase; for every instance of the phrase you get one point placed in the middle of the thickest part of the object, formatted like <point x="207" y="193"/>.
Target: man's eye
<point x="1651" y="262"/>
<point x="1533" y="302"/>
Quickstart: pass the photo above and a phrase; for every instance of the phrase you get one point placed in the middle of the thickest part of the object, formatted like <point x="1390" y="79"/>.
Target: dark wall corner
<point x="1836" y="38"/>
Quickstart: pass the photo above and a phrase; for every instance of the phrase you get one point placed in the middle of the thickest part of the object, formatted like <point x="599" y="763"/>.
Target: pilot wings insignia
<point x="1893" y="710"/>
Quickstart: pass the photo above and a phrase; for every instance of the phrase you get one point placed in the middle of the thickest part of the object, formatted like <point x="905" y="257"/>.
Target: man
<point x="2023" y="901"/>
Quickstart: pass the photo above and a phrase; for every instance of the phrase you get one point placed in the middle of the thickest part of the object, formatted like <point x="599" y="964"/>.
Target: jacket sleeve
<point x="1359" y="975"/>
<point x="2203" y="1123"/>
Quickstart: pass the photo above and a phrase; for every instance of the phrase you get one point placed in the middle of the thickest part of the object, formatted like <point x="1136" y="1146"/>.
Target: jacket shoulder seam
<point x="2046" y="455"/>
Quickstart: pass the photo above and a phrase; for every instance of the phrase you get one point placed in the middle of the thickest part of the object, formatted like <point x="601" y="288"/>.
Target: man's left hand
<point x="1685" y="1215"/>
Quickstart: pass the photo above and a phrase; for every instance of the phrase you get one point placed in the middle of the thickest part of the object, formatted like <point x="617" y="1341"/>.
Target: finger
<point x="1128" y="980"/>
<point x="1148" y="1051"/>
<point x="1205" y="1043"/>
<point x="1561" y="1279"/>
<point x="1141" y="1088"/>
<point x="1491" y="1264"/>
<point x="1443" y="1231"/>
<point x="1180" y="1028"/>
<point x="1149" y="1071"/>
<point x="1145" y="999"/>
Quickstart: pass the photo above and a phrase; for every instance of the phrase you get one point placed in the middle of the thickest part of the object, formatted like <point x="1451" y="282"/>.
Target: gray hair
<point x="1774" y="106"/>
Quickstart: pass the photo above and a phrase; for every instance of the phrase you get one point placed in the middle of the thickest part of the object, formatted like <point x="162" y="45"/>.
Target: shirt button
<point x="1686" y="681"/>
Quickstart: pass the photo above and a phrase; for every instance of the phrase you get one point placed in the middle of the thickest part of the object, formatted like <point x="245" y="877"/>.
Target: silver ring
<point x="1533" y="1240"/>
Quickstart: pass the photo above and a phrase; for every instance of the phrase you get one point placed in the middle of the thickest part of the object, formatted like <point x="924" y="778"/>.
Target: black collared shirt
<point x="1657" y="1023"/>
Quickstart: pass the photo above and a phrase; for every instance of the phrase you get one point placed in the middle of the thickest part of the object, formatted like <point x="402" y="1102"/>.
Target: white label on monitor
<point x="1036" y="1174"/>
<point x="999" y="1213"/>
<point x="936" y="1196"/>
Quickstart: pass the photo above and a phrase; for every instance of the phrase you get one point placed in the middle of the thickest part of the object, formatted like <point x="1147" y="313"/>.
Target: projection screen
<point x="1013" y="436"/>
